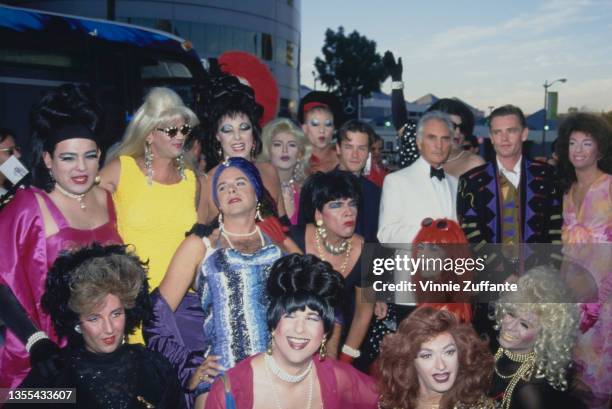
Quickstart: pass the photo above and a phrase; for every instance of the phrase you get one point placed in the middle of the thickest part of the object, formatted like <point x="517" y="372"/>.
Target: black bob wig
<point x="298" y="281"/>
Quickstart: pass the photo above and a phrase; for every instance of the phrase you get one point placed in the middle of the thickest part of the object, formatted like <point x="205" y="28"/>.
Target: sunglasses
<point x="455" y="126"/>
<point x="441" y="224"/>
<point x="172" y="131"/>
<point x="11" y="150"/>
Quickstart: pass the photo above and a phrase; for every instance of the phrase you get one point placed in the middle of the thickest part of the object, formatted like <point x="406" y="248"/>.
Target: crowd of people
<point x="219" y="260"/>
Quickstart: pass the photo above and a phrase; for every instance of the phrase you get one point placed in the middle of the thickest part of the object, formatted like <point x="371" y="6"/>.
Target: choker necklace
<point x="281" y="374"/>
<point x="321" y="233"/>
<point x="524" y="372"/>
<point x="239" y="234"/>
<point x="66" y="193"/>
<point x="347" y="251"/>
<point x="226" y="235"/>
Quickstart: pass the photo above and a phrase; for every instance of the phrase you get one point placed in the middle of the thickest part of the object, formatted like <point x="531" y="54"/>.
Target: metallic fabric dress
<point x="232" y="286"/>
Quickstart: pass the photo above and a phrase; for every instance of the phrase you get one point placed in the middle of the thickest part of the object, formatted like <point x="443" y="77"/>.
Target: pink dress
<point x="342" y="386"/>
<point x="587" y="235"/>
<point x="26" y="257"/>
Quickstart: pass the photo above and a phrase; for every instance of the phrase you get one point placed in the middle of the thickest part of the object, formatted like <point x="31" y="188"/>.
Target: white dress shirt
<point x="514" y="175"/>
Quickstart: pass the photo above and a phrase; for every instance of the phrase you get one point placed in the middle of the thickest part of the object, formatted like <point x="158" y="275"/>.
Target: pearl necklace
<point x="282" y="374"/>
<point x="347" y="253"/>
<point x="321" y="233"/>
<point x="66" y="193"/>
<point x="226" y="235"/>
<point x="271" y="367"/>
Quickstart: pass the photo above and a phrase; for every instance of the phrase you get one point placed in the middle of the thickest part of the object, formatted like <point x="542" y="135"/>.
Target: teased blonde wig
<point x="286" y="125"/>
<point x="160" y="106"/>
<point x="541" y="292"/>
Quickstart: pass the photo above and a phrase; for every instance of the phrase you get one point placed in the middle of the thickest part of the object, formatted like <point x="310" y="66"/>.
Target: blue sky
<point x="487" y="53"/>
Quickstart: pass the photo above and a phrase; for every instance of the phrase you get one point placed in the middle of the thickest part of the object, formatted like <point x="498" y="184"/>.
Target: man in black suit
<point x="355" y="139"/>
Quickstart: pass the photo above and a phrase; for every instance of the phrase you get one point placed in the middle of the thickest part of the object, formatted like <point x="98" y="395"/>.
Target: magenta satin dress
<point x="26" y="256"/>
<point x="341" y="385"/>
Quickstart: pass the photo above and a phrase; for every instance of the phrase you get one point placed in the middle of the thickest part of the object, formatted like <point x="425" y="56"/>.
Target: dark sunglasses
<point x="172" y="131"/>
<point x="11" y="150"/>
<point x="455" y="126"/>
<point x="440" y="224"/>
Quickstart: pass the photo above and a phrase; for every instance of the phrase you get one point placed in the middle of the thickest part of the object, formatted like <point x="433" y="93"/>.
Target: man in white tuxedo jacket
<point x="423" y="189"/>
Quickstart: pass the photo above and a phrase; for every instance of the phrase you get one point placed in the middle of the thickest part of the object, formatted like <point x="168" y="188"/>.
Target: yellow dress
<point x="153" y="218"/>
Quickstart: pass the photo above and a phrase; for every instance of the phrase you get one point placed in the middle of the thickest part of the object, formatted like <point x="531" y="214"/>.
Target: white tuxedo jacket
<point x="408" y="197"/>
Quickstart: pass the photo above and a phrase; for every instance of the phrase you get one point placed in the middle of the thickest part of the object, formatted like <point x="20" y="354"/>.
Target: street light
<point x="545" y="127"/>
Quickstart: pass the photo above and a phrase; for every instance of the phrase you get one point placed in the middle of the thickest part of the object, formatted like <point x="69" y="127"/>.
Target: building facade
<point x="269" y="29"/>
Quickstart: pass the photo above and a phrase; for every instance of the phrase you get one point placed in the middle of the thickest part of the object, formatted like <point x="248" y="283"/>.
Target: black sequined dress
<point x="129" y="378"/>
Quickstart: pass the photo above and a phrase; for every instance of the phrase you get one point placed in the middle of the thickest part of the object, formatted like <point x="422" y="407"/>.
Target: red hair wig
<point x="445" y="231"/>
<point x="399" y="383"/>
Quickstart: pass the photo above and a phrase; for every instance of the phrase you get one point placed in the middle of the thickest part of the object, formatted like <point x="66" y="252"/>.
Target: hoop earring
<point x="258" y="216"/>
<point x="323" y="350"/>
<point x="77" y="329"/>
<point x="148" y="162"/>
<point x="180" y="165"/>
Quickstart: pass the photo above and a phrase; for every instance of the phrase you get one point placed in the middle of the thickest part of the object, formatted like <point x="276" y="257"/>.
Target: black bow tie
<point x="436" y="173"/>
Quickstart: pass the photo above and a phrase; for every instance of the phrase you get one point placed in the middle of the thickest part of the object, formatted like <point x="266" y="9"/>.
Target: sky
<point x="487" y="53"/>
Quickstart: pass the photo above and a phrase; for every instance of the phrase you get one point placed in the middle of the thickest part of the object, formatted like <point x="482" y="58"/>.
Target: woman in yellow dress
<point x="154" y="195"/>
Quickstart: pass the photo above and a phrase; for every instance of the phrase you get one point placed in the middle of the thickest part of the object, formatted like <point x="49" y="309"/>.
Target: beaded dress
<point x="129" y="377"/>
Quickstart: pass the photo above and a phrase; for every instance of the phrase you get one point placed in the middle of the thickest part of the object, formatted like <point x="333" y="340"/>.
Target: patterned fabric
<point x="583" y="228"/>
<point x="232" y="286"/>
<point x="479" y="204"/>
<point x="409" y="152"/>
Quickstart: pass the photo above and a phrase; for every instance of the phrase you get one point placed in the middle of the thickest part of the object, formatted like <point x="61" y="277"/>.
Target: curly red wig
<point x="398" y="382"/>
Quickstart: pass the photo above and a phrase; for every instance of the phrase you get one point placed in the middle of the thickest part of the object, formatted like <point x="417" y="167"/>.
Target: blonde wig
<point x="286" y="125"/>
<point x="160" y="106"/>
<point x="541" y="292"/>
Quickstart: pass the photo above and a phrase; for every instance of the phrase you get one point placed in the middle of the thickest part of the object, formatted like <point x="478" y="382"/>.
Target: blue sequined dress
<point x="232" y="287"/>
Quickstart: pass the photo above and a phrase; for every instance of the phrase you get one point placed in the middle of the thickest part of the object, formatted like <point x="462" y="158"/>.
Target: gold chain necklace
<point x="524" y="372"/>
<point x="347" y="252"/>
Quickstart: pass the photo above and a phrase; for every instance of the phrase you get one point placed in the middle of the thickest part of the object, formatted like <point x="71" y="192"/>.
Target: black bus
<point x="41" y="50"/>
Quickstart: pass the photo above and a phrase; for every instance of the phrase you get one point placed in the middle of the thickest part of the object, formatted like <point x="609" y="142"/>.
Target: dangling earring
<point x="269" y="349"/>
<point x="322" y="350"/>
<point x="148" y="162"/>
<point x="219" y="150"/>
<point x="77" y="329"/>
<point x="220" y="219"/>
<point x="51" y="176"/>
<point x="180" y="165"/>
<point x="321" y="230"/>
<point x="258" y="216"/>
<point x="253" y="149"/>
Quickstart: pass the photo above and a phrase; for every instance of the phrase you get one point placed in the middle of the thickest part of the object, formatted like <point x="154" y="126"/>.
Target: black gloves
<point x="45" y="358"/>
<point x="394" y="68"/>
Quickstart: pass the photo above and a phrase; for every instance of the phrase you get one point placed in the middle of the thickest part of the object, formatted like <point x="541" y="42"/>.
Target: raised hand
<point x="394" y="68"/>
